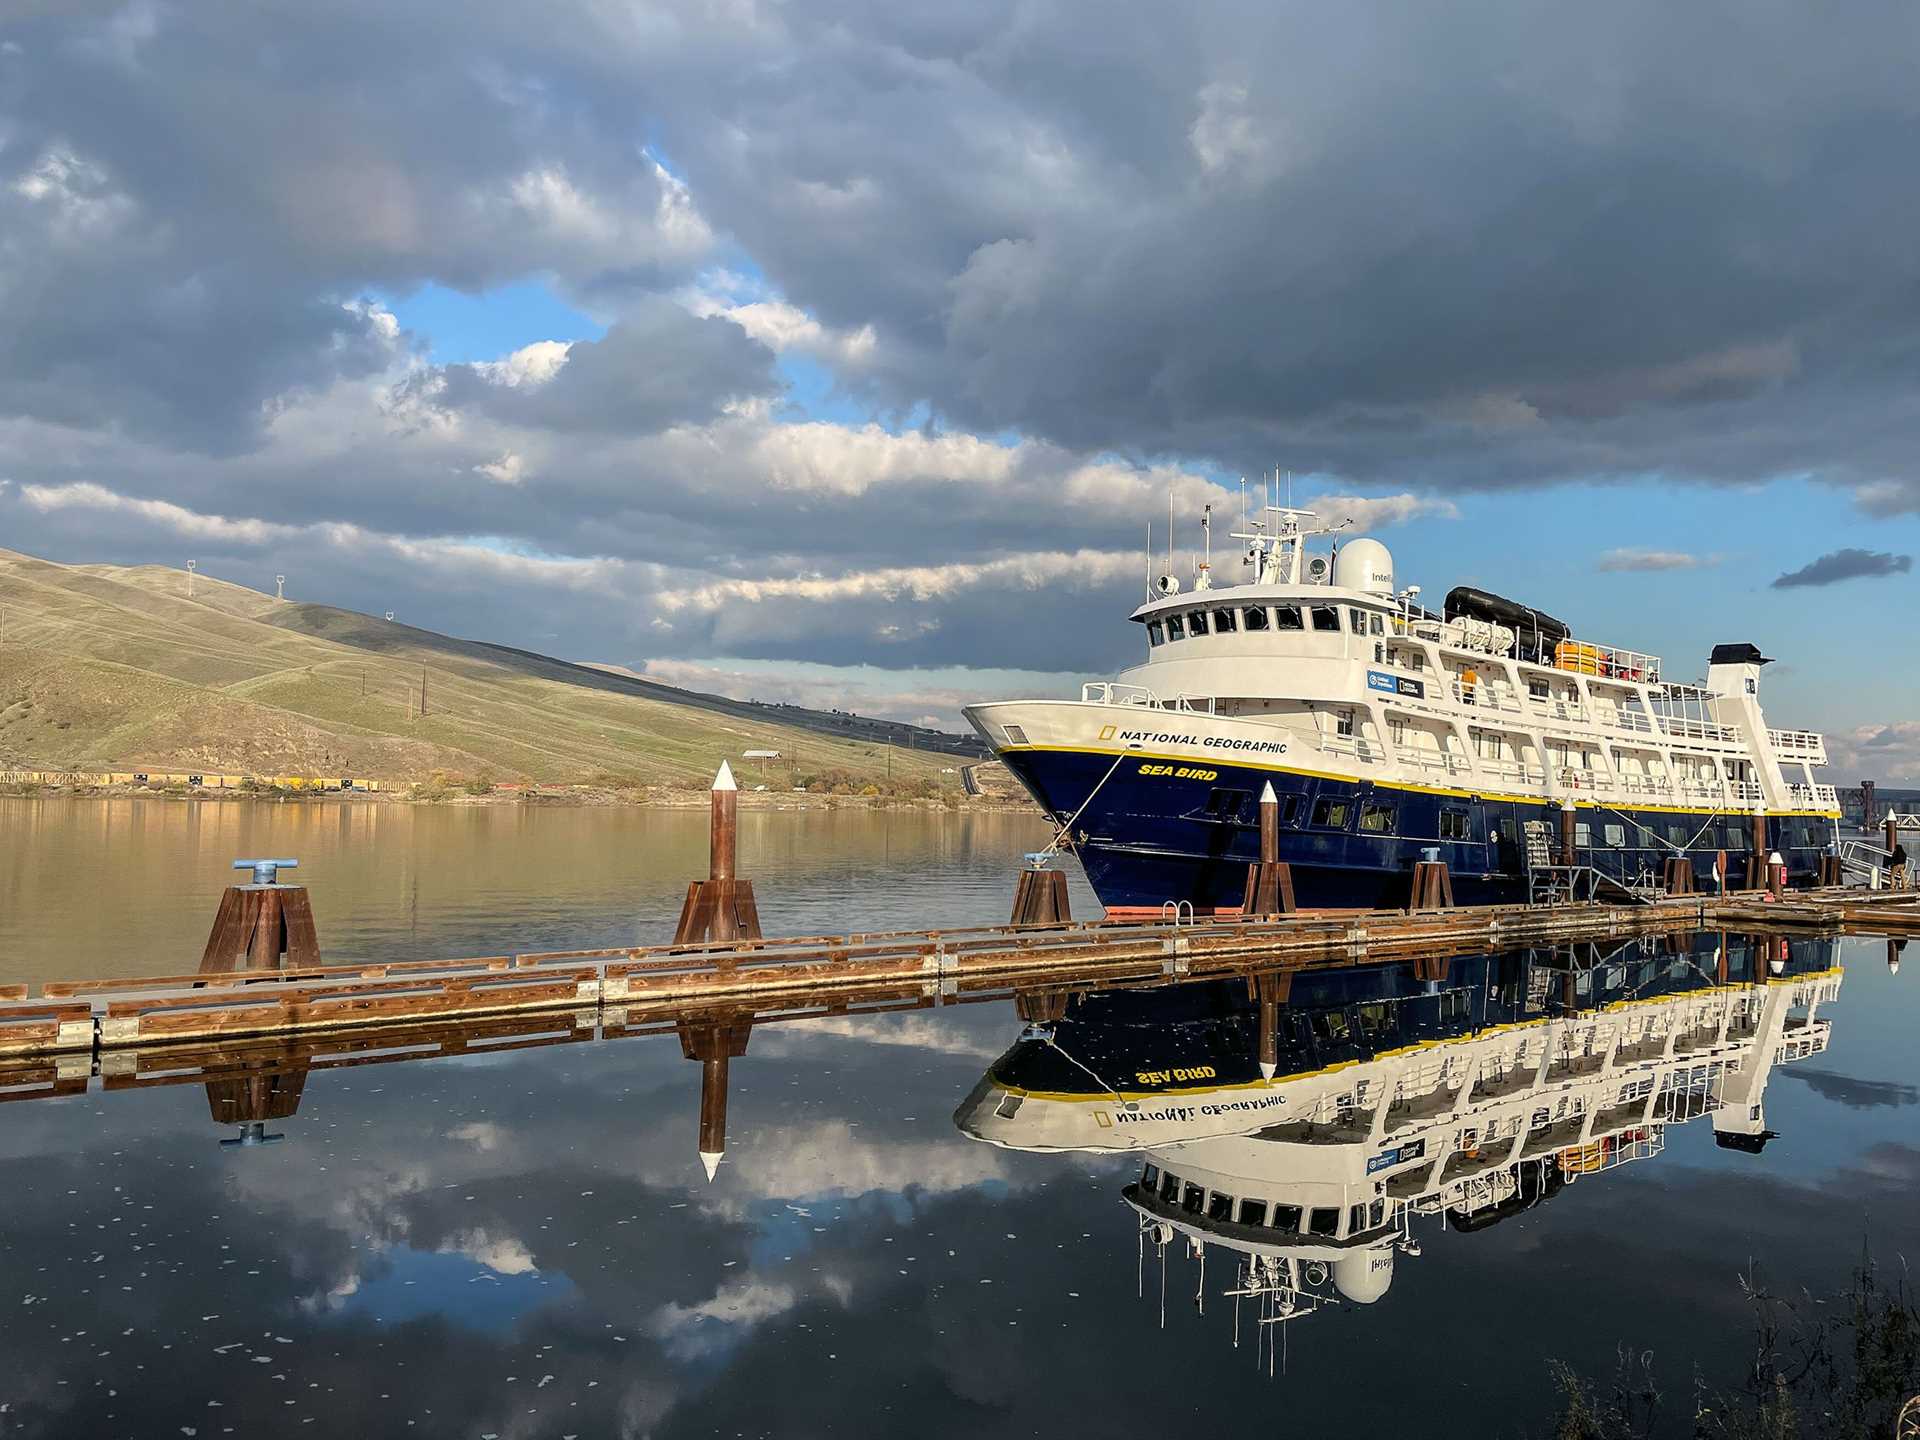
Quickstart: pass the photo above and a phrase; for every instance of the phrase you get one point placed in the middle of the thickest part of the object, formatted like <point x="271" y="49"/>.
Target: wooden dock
<point x="86" y="1017"/>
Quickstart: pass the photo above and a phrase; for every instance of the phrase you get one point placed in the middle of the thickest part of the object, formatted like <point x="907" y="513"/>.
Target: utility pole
<point x="192" y="565"/>
<point x="423" y="692"/>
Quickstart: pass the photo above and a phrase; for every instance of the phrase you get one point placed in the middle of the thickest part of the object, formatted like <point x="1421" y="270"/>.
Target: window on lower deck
<point x="1156" y="633"/>
<point x="1582" y="834"/>
<point x="1456" y="825"/>
<point x="1287" y="617"/>
<point x="1254" y="617"/>
<point x="1616" y="835"/>
<point x="1225" y="622"/>
<point x="1331" y="814"/>
<point x="1326" y="617"/>
<point x="1196" y="622"/>
<point x="1343" y="722"/>
<point x="1678" y="835"/>
<point x="1230" y="805"/>
<point x="1375" y="818"/>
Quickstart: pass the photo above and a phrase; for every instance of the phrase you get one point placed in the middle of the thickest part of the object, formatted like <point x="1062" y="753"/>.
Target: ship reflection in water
<point x="1306" y="1124"/>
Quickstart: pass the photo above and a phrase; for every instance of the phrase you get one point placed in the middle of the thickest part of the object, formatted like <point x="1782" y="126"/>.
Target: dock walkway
<point x="96" y="1016"/>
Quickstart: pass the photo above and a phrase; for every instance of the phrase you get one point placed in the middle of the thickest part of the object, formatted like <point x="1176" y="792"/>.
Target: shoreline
<point x="565" y="796"/>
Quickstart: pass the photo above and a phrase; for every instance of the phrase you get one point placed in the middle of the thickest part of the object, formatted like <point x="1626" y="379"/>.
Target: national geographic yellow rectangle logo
<point x="1106" y="732"/>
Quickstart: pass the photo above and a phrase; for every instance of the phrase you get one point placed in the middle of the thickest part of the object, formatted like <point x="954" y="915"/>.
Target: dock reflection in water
<point x="512" y="1229"/>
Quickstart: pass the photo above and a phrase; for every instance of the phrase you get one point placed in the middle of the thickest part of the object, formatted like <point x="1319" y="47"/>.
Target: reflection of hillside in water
<point x="399" y="881"/>
<point x="1304" y="1124"/>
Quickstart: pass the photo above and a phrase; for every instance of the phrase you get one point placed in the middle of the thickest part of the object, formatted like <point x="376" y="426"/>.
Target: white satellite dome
<point x="1364" y="1275"/>
<point x="1364" y="565"/>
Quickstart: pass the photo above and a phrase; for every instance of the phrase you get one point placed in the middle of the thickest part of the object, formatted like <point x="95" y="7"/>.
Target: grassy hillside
<point x="103" y="667"/>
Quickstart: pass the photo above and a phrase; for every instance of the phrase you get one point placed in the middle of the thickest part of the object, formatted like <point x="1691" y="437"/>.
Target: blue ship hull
<point x="1166" y="829"/>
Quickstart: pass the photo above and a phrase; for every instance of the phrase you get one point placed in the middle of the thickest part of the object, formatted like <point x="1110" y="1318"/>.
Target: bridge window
<point x="1176" y="628"/>
<point x="1197" y="622"/>
<point x="1225" y="622"/>
<point x="1150" y="1178"/>
<point x="1331" y="814"/>
<point x="1375" y="818"/>
<point x="1287" y="1217"/>
<point x="1169" y="1186"/>
<point x="1325" y="1220"/>
<point x="1254" y="617"/>
<point x="1219" y="1207"/>
<point x="1326" y="617"/>
<point x="1376" y="622"/>
<point x="1357" y="618"/>
<point x="1287" y="617"/>
<point x="1156" y="633"/>
<point x="1253" y="1212"/>
<point x="1192" y="1198"/>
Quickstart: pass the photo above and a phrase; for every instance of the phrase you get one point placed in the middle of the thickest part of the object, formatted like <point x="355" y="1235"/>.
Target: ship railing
<point x="1745" y="792"/>
<point x="1358" y="746"/>
<point x="1686" y="729"/>
<point x="1514" y="771"/>
<point x="1434" y="760"/>
<point x="1646" y="785"/>
<point x="1825" y="797"/>
<point x="1110" y="692"/>
<point x="1805" y="744"/>
<point x="1485" y="696"/>
<point x="1556" y="708"/>
<point x="1636" y="721"/>
<point x="1607" y="662"/>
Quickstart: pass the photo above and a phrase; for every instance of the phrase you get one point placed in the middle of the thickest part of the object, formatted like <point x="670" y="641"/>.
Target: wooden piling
<point x="722" y="906"/>
<point x="1678" y="879"/>
<point x="1569" y="835"/>
<point x="1757" y="875"/>
<point x="1272" y="989"/>
<point x="1432" y="887"/>
<point x="1040" y="898"/>
<point x="263" y="926"/>
<point x="714" y="1044"/>
<point x="1270" y="879"/>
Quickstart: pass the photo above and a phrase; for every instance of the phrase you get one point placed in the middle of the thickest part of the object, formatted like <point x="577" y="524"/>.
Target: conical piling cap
<point x="1267" y="1069"/>
<point x="710" y="1162"/>
<point x="724" y="780"/>
<point x="1267" y="797"/>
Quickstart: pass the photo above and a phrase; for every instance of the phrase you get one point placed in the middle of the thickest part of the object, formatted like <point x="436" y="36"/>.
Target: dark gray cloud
<point x="1413" y="250"/>
<point x="1846" y="564"/>
<point x="658" y="366"/>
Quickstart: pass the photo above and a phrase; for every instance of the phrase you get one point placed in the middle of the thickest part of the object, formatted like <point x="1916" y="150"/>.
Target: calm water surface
<point x="525" y="1243"/>
<point x="128" y="886"/>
